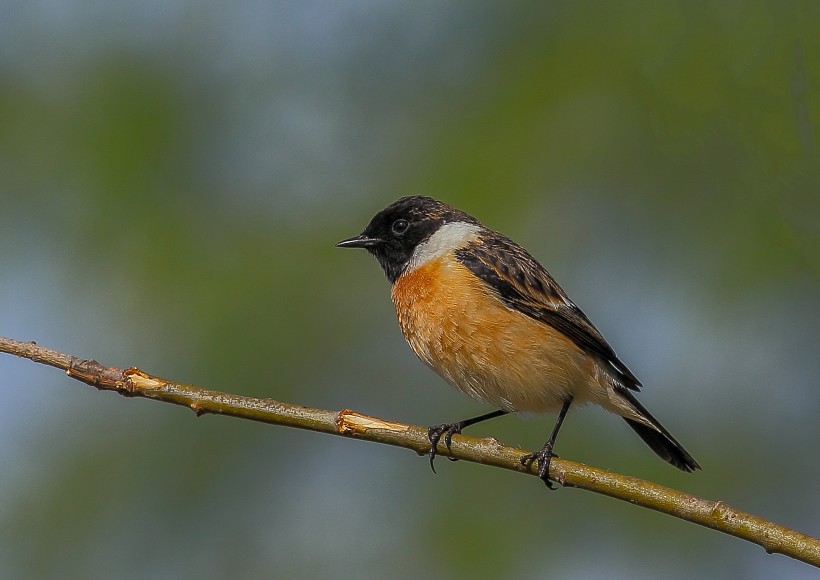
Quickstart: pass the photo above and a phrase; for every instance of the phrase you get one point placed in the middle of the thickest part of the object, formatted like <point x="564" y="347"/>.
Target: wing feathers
<point x="524" y="285"/>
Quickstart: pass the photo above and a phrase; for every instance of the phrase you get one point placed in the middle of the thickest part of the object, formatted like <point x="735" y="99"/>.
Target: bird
<point x="487" y="317"/>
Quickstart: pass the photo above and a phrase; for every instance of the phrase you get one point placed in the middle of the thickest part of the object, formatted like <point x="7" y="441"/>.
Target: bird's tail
<point x="658" y="438"/>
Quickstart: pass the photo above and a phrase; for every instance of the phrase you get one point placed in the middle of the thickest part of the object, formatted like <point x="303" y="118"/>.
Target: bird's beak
<point x="360" y="241"/>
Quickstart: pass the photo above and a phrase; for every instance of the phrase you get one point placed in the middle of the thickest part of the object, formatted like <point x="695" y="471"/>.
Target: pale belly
<point x="487" y="350"/>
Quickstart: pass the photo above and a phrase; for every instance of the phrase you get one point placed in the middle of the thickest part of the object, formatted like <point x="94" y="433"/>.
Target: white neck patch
<point x="447" y="238"/>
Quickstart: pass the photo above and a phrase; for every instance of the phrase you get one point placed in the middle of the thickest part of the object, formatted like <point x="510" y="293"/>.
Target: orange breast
<point x="455" y="324"/>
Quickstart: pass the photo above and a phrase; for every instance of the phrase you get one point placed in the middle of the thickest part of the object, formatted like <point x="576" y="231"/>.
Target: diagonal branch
<point x="133" y="382"/>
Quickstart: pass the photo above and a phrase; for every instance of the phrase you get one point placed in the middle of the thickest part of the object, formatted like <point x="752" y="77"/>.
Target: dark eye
<point x="399" y="227"/>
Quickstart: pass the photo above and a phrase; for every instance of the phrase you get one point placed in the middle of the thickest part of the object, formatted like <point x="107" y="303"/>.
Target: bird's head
<point x="411" y="231"/>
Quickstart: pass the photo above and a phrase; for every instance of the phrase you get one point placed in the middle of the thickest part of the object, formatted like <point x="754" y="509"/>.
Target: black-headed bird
<point x="479" y="310"/>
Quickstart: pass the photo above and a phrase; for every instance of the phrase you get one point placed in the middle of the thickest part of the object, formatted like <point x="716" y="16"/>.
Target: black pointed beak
<point x="360" y="241"/>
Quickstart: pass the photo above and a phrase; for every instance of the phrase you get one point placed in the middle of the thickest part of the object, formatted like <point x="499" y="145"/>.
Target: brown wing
<point x="524" y="285"/>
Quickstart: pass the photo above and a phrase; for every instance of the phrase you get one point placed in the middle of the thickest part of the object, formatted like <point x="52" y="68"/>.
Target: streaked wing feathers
<point x="523" y="284"/>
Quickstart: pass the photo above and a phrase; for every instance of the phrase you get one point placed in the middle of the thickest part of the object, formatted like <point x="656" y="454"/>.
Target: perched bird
<point x="487" y="317"/>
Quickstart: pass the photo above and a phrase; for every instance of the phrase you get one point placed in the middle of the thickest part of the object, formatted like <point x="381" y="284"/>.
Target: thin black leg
<point x="447" y="430"/>
<point x="544" y="456"/>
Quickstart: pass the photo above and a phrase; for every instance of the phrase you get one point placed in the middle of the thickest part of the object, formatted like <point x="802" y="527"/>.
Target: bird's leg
<point x="447" y="430"/>
<point x="544" y="456"/>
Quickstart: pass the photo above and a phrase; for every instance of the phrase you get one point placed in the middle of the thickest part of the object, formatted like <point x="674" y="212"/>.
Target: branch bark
<point x="133" y="382"/>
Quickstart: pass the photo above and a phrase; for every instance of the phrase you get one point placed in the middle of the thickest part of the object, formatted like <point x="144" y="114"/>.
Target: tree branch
<point x="133" y="382"/>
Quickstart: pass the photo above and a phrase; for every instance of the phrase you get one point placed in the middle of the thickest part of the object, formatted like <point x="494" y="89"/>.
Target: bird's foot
<point x="436" y="432"/>
<point x="542" y="458"/>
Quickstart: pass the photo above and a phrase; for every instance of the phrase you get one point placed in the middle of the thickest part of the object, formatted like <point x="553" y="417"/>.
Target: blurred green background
<point x="175" y="175"/>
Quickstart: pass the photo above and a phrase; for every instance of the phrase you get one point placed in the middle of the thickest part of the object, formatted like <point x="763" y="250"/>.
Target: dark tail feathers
<point x="659" y="439"/>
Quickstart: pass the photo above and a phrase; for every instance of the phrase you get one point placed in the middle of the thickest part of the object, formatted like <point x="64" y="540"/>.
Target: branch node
<point x="88" y="371"/>
<point x="134" y="380"/>
<point x="352" y="423"/>
<point x="719" y="511"/>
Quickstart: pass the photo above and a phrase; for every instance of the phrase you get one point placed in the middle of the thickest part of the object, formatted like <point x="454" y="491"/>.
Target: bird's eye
<point x="399" y="227"/>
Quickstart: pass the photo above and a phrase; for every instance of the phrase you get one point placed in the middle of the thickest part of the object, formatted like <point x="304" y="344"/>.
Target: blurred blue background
<point x="175" y="175"/>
